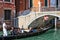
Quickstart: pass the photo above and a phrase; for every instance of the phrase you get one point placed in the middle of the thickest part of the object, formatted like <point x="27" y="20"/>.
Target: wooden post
<point x="55" y="24"/>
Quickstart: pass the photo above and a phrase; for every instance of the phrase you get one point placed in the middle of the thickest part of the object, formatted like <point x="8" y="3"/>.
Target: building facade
<point x="10" y="9"/>
<point x="22" y="5"/>
<point x="7" y="11"/>
<point x="47" y="3"/>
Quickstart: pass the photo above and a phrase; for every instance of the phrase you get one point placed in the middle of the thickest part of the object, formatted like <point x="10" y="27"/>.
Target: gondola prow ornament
<point x="4" y="29"/>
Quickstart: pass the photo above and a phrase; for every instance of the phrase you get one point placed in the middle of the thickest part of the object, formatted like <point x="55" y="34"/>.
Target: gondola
<point x="23" y="35"/>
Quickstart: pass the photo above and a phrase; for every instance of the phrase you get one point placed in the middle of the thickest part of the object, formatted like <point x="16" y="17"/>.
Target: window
<point x="57" y="3"/>
<point x="7" y="0"/>
<point x="7" y="14"/>
<point x="53" y="3"/>
<point x="46" y="3"/>
<point x="30" y="3"/>
<point x="25" y="4"/>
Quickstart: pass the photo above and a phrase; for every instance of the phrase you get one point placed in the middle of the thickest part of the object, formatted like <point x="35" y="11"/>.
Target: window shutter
<point x="30" y="3"/>
<point x="45" y="3"/>
<point x="57" y="3"/>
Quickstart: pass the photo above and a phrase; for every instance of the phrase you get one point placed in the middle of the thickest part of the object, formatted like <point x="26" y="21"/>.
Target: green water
<point x="49" y="35"/>
<point x="1" y="32"/>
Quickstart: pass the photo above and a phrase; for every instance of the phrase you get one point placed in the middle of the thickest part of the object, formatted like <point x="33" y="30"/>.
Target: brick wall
<point x="21" y="5"/>
<point x="5" y="6"/>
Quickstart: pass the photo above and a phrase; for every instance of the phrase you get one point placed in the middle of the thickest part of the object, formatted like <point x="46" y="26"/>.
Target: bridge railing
<point x="43" y="9"/>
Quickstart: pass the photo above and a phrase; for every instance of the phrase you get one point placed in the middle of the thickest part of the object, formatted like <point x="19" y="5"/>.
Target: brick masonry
<point x="7" y="6"/>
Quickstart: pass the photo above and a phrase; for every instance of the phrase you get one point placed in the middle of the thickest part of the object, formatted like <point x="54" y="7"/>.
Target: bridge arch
<point x="36" y="21"/>
<point x="26" y="20"/>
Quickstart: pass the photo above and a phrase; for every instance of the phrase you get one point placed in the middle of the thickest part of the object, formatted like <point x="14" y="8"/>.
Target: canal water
<point x="49" y="35"/>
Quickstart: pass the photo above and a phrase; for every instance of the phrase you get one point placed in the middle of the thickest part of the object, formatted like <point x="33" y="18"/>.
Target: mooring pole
<point x="55" y="24"/>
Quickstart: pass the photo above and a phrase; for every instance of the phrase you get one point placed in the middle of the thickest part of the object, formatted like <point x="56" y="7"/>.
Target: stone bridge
<point x="26" y="20"/>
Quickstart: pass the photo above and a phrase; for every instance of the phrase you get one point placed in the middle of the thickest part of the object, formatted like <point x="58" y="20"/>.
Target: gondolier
<point x="4" y="29"/>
